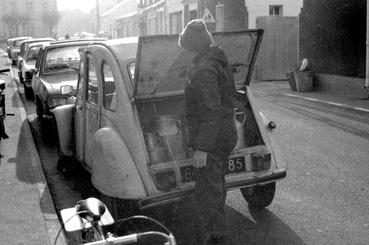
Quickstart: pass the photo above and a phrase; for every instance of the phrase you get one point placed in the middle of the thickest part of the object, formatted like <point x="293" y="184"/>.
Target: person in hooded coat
<point x="209" y="113"/>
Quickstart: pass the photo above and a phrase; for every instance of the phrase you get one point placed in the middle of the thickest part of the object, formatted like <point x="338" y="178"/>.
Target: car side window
<point x="92" y="92"/>
<point x="109" y="92"/>
<point x="81" y="81"/>
<point x="38" y="61"/>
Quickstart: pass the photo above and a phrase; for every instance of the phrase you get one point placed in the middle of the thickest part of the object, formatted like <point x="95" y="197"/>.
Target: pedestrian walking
<point x="209" y="113"/>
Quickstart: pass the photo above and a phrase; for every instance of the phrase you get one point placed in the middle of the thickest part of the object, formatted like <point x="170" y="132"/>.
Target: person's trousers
<point x="209" y="199"/>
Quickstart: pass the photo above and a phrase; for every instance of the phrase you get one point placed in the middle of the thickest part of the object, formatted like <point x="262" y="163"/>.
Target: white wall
<point x="258" y="8"/>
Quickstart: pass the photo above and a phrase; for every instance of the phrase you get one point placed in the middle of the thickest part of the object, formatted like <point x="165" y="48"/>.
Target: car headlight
<point x="57" y="101"/>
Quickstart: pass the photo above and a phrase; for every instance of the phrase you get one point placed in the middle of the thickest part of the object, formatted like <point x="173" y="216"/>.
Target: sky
<point x="84" y="5"/>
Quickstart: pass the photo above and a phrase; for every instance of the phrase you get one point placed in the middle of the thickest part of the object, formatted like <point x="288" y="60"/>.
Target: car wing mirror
<point x="66" y="90"/>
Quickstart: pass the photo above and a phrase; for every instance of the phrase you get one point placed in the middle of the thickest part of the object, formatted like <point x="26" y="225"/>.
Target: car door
<point x="79" y="115"/>
<point x="92" y="111"/>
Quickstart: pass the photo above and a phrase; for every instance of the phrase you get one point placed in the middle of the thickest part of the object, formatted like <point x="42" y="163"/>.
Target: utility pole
<point x="97" y="18"/>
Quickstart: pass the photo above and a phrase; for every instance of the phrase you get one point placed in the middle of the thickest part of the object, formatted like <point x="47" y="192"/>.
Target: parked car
<point x="27" y="66"/>
<point x="22" y="51"/>
<point x="3" y="58"/>
<point x="126" y="125"/>
<point x="14" y="48"/>
<point x="57" y="65"/>
<point x="9" y="43"/>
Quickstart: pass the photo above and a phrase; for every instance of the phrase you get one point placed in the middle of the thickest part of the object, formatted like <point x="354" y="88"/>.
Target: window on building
<point x="161" y="22"/>
<point x="152" y="28"/>
<point x="193" y="14"/>
<point x="276" y="10"/>
<point x="175" y="22"/>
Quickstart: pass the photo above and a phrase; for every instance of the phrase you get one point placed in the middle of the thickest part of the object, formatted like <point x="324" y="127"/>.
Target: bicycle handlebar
<point x="143" y="238"/>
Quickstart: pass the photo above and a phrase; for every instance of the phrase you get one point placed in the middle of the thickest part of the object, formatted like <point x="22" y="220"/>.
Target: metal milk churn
<point x="156" y="149"/>
<point x="239" y="119"/>
<point x="169" y="127"/>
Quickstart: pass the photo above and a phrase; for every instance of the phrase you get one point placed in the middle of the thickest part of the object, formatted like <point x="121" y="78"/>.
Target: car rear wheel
<point x="20" y="76"/>
<point x="124" y="208"/>
<point x="259" y="196"/>
<point x="28" y="92"/>
<point x="39" y="108"/>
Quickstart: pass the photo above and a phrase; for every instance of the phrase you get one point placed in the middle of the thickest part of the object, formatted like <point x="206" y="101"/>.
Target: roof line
<point x="112" y="9"/>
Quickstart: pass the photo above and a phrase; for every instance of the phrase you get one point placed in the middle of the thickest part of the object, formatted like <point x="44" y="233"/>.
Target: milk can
<point x="156" y="148"/>
<point x="169" y="127"/>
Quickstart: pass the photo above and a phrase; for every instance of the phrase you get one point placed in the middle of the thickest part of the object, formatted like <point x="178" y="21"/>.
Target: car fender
<point x="268" y="134"/>
<point x="113" y="171"/>
<point x="64" y="119"/>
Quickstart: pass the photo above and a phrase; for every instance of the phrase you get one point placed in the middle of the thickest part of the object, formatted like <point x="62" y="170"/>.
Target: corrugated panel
<point x="278" y="53"/>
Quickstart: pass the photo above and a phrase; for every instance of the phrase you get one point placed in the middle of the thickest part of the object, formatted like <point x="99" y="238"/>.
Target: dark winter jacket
<point x="209" y="103"/>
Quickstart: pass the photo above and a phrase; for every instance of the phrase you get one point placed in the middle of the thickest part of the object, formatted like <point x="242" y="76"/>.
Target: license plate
<point x="235" y="165"/>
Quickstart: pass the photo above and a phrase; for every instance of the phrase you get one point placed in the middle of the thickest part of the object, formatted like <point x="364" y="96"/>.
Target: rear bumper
<point x="175" y="196"/>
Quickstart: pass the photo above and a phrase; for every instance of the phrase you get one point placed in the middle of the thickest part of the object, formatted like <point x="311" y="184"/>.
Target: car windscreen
<point x="17" y="43"/>
<point x="62" y="59"/>
<point x="32" y="53"/>
<point x="162" y="64"/>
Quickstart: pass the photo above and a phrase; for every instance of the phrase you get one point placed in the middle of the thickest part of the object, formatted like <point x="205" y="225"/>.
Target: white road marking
<point x="328" y="102"/>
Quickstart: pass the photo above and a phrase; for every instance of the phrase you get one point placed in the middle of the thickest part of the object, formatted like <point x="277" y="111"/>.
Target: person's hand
<point x="199" y="159"/>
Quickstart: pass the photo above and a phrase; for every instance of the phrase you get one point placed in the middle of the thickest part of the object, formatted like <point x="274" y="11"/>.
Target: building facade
<point x="278" y="18"/>
<point x="36" y="18"/>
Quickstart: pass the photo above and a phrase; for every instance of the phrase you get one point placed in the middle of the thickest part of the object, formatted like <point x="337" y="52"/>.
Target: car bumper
<point x="175" y="196"/>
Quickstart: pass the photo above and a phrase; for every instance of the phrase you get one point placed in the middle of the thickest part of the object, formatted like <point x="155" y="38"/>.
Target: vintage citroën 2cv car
<point x="126" y="126"/>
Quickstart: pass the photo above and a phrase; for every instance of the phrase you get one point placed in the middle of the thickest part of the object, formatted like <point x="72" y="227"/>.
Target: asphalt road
<point x="323" y="200"/>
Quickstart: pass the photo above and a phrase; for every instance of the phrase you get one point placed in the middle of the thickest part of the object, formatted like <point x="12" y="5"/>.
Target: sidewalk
<point x="352" y="98"/>
<point x="27" y="210"/>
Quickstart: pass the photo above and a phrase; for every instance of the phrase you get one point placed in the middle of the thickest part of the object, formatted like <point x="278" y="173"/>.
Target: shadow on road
<point x="263" y="228"/>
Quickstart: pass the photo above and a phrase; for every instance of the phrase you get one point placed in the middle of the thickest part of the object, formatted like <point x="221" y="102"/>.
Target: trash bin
<point x="291" y="81"/>
<point x="304" y="80"/>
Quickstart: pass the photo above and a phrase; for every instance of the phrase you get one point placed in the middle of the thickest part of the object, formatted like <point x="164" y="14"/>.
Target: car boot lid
<point x="161" y="64"/>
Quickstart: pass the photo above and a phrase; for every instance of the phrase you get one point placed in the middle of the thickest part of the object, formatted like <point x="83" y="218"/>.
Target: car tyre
<point x="20" y="76"/>
<point x="68" y="166"/>
<point x="259" y="196"/>
<point x="39" y="108"/>
<point x="28" y="92"/>
<point x="120" y="209"/>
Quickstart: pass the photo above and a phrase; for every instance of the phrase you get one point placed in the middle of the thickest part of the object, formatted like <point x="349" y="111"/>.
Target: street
<point x="323" y="200"/>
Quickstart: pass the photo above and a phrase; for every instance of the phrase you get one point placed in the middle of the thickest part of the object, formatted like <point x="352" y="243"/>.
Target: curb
<point x="52" y="223"/>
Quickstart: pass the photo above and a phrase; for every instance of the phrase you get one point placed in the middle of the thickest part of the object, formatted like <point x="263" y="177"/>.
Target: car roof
<point x="73" y="40"/>
<point x="54" y="45"/>
<point x="123" y="48"/>
<point x="17" y="38"/>
<point x="38" y="44"/>
<point x="33" y="40"/>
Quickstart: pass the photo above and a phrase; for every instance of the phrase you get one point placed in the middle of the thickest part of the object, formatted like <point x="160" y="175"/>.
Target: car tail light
<point x="260" y="162"/>
<point x="165" y="180"/>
